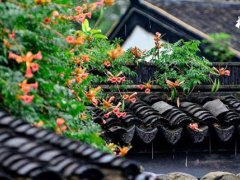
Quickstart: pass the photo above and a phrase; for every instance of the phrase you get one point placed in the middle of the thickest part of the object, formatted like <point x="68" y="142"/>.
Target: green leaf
<point x="173" y="93"/>
<point x="218" y="85"/>
<point x="99" y="36"/>
<point x="214" y="85"/>
<point x="123" y="105"/>
<point x="85" y="26"/>
<point x="96" y="31"/>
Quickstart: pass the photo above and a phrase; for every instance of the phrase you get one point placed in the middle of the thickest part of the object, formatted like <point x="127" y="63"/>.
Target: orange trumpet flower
<point x="137" y="52"/>
<point x="116" y="78"/>
<point x="91" y="95"/>
<point x="25" y="87"/>
<point x="80" y="74"/>
<point x="146" y="86"/>
<point x="130" y="98"/>
<point x="109" y="2"/>
<point x="194" y="126"/>
<point x="28" y="58"/>
<point x="78" y="41"/>
<point x="174" y="84"/>
<point x="123" y="151"/>
<point x="26" y="98"/>
<point x="108" y="103"/>
<point x="115" y="53"/>
<point x="60" y="126"/>
<point x="222" y="71"/>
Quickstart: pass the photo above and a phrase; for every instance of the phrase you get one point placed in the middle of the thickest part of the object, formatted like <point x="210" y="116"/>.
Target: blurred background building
<point x="204" y="17"/>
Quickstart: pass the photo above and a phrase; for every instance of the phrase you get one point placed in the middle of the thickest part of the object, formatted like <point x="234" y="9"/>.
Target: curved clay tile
<point x="39" y="152"/>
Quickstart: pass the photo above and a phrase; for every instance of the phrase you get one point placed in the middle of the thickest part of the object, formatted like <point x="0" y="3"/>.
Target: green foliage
<point x="179" y="67"/>
<point x="218" y="50"/>
<point x="55" y="97"/>
<point x="97" y="50"/>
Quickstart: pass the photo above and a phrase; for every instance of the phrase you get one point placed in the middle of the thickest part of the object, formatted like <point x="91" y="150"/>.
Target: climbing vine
<point x="51" y="61"/>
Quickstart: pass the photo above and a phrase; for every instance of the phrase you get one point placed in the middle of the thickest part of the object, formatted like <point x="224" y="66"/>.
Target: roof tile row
<point x="151" y="118"/>
<point x="27" y="151"/>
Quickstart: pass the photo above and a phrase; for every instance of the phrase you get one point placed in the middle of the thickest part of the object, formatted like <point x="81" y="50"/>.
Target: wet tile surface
<point x="196" y="164"/>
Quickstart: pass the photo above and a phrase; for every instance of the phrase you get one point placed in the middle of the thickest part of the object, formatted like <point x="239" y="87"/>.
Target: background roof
<point x="209" y="16"/>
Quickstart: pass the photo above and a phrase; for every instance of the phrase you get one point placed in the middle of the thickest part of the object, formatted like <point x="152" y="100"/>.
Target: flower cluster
<point x="146" y="86"/>
<point x="26" y="98"/>
<point x="83" y="59"/>
<point x="194" y="126"/>
<point x="107" y="63"/>
<point x="30" y="68"/>
<point x="60" y="126"/>
<point x="28" y="58"/>
<point x="175" y="84"/>
<point x="123" y="151"/>
<point x="130" y="98"/>
<point x="115" y="110"/>
<point x="26" y="88"/>
<point x="157" y="39"/>
<point x="11" y="35"/>
<point x="115" y="53"/>
<point x="116" y="78"/>
<point x="79" y="40"/>
<point x="119" y="151"/>
<point x="80" y="17"/>
<point x="137" y="52"/>
<point x="108" y="103"/>
<point x="6" y="43"/>
<point x="222" y="71"/>
<point x="83" y="12"/>
<point x="91" y="95"/>
<point x="79" y="74"/>
<point x="39" y="124"/>
<point x="48" y="20"/>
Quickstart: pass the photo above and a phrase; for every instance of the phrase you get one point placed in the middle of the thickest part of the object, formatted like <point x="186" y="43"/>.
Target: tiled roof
<point x="27" y="151"/>
<point x="208" y="16"/>
<point x="151" y="115"/>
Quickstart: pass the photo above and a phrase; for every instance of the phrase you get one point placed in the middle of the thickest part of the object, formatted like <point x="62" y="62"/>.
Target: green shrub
<point x="218" y="50"/>
<point x="47" y="57"/>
